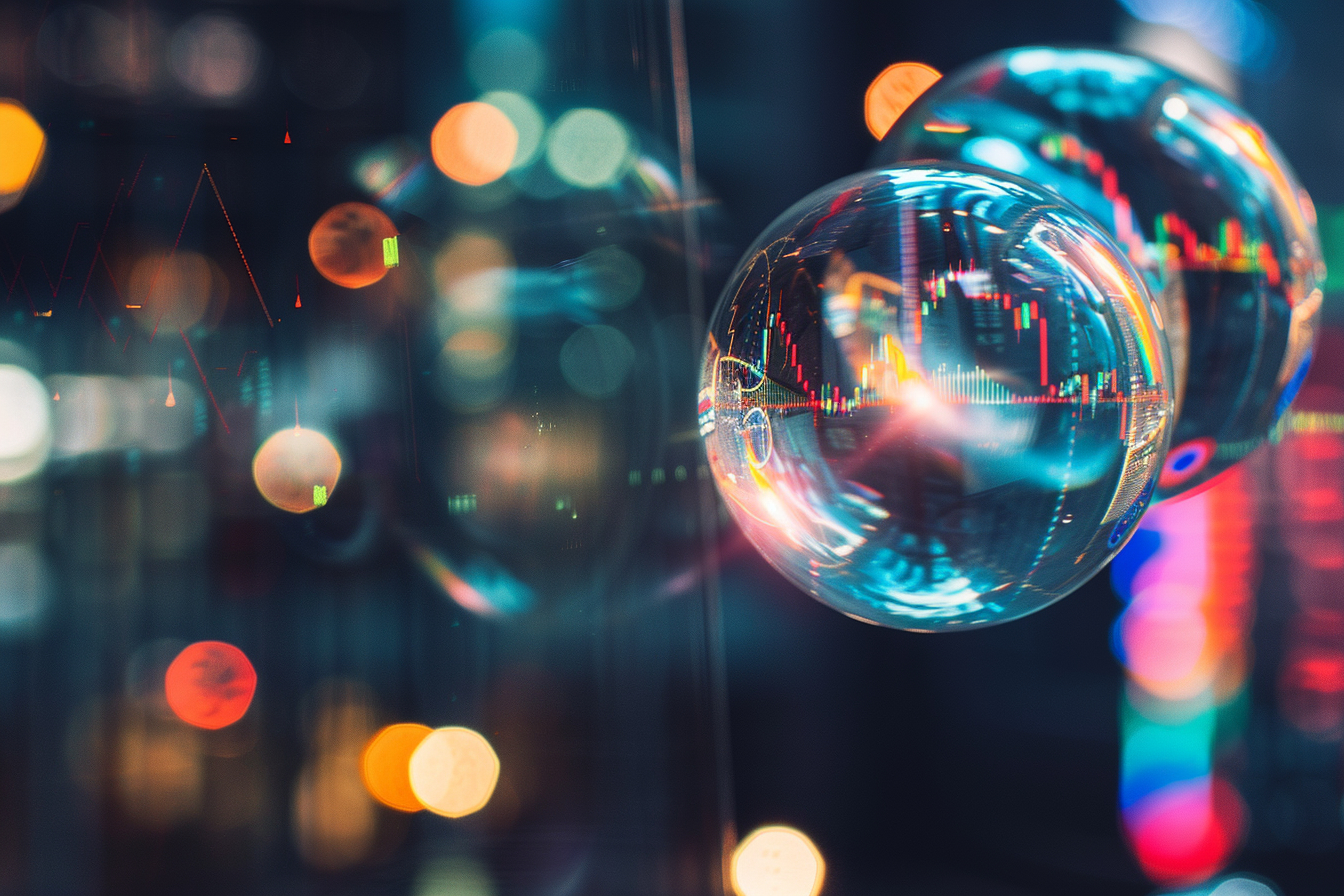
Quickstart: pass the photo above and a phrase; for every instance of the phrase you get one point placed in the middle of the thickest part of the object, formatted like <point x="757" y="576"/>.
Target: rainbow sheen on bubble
<point x="1194" y="191"/>
<point x="935" y="397"/>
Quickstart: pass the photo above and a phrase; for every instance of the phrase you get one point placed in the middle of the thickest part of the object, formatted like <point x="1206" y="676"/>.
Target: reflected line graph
<point x="16" y="281"/>
<point x="205" y="174"/>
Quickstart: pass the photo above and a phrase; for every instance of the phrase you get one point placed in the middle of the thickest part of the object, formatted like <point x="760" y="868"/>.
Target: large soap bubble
<point x="935" y="397"/>
<point x="1190" y="187"/>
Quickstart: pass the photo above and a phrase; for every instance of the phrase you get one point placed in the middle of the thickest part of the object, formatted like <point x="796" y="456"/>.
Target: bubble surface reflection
<point x="932" y="397"/>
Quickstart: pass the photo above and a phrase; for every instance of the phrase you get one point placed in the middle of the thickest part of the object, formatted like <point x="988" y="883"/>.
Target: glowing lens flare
<point x="22" y="145"/>
<point x="296" y="469"/>
<point x="474" y="143"/>
<point x="25" y="423"/>
<point x="454" y="771"/>
<point x="210" y="684"/>
<point x="893" y="91"/>
<point x="777" y="861"/>
<point x="346" y="244"/>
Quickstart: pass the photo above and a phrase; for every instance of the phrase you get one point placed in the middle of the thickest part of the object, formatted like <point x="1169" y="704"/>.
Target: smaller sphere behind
<point x="1192" y="189"/>
<point x="346" y="244"/>
<point x="296" y="469"/>
<point x="935" y="397"/>
<point x="210" y="684"/>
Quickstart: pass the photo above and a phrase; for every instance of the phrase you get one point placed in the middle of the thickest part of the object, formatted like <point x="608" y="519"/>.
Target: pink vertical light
<point x="1045" y="366"/>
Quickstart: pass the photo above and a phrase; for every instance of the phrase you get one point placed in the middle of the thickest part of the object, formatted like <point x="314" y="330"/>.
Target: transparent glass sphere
<point x="935" y="397"/>
<point x="1192" y="189"/>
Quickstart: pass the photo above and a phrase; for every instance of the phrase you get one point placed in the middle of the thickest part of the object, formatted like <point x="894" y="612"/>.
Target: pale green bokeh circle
<point x="595" y="360"/>
<point x="527" y="120"/>
<point x="506" y="59"/>
<point x="587" y="147"/>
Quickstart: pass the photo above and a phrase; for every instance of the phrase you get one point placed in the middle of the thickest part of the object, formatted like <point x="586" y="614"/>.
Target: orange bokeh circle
<point x="893" y="91"/>
<point x="296" y="469"/>
<point x="210" y="684"/>
<point x="386" y="765"/>
<point x="346" y="244"/>
<point x="474" y="143"/>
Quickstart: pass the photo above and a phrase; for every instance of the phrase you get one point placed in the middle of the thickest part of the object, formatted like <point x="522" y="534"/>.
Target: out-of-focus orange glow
<point x="159" y="768"/>
<point x="893" y="91"/>
<point x="467" y="254"/>
<point x="454" y="771"/>
<point x="173" y="289"/>
<point x="385" y="765"/>
<point x="474" y="143"/>
<point x="777" y="861"/>
<point x="346" y="244"/>
<point x="22" y="145"/>
<point x="210" y="684"/>
<point x="296" y="469"/>
<point x="335" y="823"/>
<point x="514" y="470"/>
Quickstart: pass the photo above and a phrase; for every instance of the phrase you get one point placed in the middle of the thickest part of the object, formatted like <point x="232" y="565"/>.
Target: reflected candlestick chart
<point x="777" y="380"/>
<point x="1175" y="240"/>
<point x="778" y="377"/>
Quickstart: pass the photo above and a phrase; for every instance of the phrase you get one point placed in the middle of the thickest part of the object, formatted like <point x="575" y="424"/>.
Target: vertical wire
<point x="715" y="671"/>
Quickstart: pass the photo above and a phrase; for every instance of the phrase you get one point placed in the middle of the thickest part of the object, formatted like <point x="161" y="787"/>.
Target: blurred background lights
<point x="587" y="147"/>
<point x="105" y="413"/>
<point x="25" y="587"/>
<point x="506" y="59"/>
<point x="25" y="423"/>
<point x="389" y="168"/>
<point x="210" y="684"/>
<point x="1241" y="32"/>
<point x="296" y="469"/>
<point x="595" y="360"/>
<point x="777" y="861"/>
<point x="215" y="56"/>
<point x="1187" y="831"/>
<point x="385" y="765"/>
<point x="482" y="587"/>
<point x="892" y="91"/>
<point x="1243" y="886"/>
<point x="455" y="876"/>
<point x="480" y="352"/>
<point x="172" y="290"/>
<point x="157" y="767"/>
<point x="615" y="277"/>
<point x="454" y="771"/>
<point x="335" y="822"/>
<point x="468" y="253"/>
<point x="346" y="244"/>
<point x="22" y="145"/>
<point x="527" y="120"/>
<point x="87" y="46"/>
<point x="474" y="143"/>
